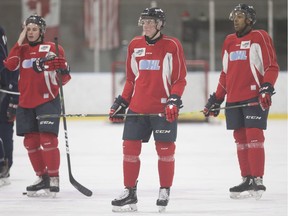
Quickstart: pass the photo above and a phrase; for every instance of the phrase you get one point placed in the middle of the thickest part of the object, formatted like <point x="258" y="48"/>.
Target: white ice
<point x="206" y="166"/>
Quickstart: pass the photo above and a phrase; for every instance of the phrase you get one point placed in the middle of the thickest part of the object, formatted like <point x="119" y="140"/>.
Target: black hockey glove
<point x="39" y="63"/>
<point x="11" y="110"/>
<point x="119" y="107"/>
<point x="265" y="93"/>
<point x="51" y="63"/>
<point x="212" y="103"/>
<point x="173" y="104"/>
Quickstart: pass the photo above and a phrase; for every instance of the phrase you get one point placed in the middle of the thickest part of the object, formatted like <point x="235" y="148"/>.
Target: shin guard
<point x="131" y="161"/>
<point x="166" y="162"/>
<point x="51" y="154"/>
<point x="255" y="137"/>
<point x="32" y="144"/>
<point x="242" y="151"/>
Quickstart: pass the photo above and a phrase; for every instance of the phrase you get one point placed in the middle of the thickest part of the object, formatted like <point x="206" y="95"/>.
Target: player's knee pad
<point x="255" y="137"/>
<point x="131" y="150"/>
<point x="240" y="139"/>
<point x="165" y="150"/>
<point x="240" y="135"/>
<point x="48" y="141"/>
<point x="31" y="141"/>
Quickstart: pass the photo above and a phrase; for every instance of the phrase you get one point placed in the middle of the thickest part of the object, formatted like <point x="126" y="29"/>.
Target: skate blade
<point x="161" y="209"/>
<point x="4" y="182"/>
<point x="41" y="193"/>
<point x="126" y="208"/>
<point x="241" y="195"/>
<point x="258" y="194"/>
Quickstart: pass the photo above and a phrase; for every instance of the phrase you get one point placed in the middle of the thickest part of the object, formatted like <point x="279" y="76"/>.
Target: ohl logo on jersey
<point x="238" y="55"/>
<point x="149" y="65"/>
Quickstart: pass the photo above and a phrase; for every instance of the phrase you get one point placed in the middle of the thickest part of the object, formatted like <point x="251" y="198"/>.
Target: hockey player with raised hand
<point x="8" y="106"/>
<point x="155" y="81"/>
<point x="40" y="69"/>
<point x="249" y="73"/>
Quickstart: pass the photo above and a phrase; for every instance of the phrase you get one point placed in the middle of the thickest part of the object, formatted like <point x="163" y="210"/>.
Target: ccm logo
<point x="253" y="117"/>
<point x="46" y="123"/>
<point x="162" y="131"/>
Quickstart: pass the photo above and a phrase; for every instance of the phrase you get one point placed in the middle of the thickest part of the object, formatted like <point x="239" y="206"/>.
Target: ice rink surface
<point x="206" y="166"/>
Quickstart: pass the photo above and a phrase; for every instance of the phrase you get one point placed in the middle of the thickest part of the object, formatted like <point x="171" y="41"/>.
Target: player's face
<point x="33" y="32"/>
<point x="239" y="20"/>
<point x="149" y="27"/>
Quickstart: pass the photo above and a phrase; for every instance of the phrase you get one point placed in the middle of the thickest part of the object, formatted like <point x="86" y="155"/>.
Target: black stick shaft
<point x="76" y="184"/>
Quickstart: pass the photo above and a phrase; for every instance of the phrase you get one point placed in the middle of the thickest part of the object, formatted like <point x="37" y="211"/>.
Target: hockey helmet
<point x="153" y="13"/>
<point x="248" y="10"/>
<point x="38" y="20"/>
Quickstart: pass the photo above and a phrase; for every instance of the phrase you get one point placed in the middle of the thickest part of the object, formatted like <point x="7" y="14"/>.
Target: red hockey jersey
<point x="153" y="73"/>
<point x="35" y="88"/>
<point x="248" y="62"/>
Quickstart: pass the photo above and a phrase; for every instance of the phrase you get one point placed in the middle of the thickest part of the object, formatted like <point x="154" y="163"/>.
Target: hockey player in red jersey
<point x="249" y="73"/>
<point x="155" y="81"/>
<point x="39" y="94"/>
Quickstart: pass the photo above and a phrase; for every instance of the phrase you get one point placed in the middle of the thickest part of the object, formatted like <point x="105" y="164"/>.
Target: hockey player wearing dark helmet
<point x="155" y="81"/>
<point x="39" y="21"/>
<point x="249" y="73"/>
<point x="248" y="13"/>
<point x="42" y="66"/>
<point x="153" y="15"/>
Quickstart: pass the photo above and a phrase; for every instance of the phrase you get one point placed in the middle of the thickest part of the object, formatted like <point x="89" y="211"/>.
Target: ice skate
<point x="40" y="188"/>
<point x="4" y="175"/>
<point x="126" y="201"/>
<point x="54" y="186"/>
<point x="243" y="190"/>
<point x="163" y="199"/>
<point x="258" y="187"/>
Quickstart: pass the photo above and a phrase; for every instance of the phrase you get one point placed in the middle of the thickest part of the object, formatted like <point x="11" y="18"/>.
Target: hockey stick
<point x="100" y="115"/>
<point x="140" y="114"/>
<point x="235" y="106"/>
<point x="9" y="92"/>
<point x="76" y="184"/>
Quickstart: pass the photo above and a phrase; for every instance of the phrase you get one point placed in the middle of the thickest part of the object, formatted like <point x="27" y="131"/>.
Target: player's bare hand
<point x="22" y="35"/>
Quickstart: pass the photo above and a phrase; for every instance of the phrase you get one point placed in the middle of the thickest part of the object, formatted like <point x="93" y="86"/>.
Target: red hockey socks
<point x="131" y="161"/>
<point x="51" y="154"/>
<point x="32" y="144"/>
<point x="166" y="162"/>
<point x="256" y="155"/>
<point x="250" y="151"/>
<point x="242" y="151"/>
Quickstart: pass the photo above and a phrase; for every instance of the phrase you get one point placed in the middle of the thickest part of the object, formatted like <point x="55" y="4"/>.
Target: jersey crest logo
<point x="149" y="64"/>
<point x="44" y="48"/>
<point x="139" y="52"/>
<point x="245" y="45"/>
<point x="238" y="55"/>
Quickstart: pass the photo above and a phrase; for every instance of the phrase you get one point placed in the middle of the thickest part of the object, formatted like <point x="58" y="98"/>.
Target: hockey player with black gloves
<point x="40" y="71"/>
<point x="249" y="73"/>
<point x="155" y="81"/>
<point x="8" y="106"/>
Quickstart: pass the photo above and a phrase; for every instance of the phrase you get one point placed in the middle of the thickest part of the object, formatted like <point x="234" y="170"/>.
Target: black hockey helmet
<point x="153" y="13"/>
<point x="38" y="20"/>
<point x="248" y="10"/>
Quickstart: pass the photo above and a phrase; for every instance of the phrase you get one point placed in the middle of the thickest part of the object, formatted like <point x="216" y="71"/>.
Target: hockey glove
<point x="212" y="103"/>
<point x="50" y="63"/>
<point x="173" y="104"/>
<point x="11" y="110"/>
<point x="119" y="107"/>
<point x="265" y="93"/>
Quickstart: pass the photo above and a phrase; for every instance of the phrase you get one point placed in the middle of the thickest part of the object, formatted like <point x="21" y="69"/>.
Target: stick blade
<point x="80" y="187"/>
